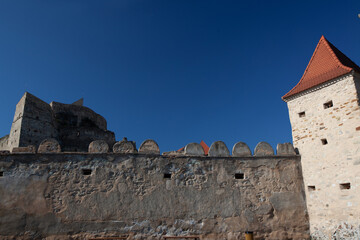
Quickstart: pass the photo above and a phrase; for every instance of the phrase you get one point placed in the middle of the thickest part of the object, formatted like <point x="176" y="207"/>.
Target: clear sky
<point x="174" y="71"/>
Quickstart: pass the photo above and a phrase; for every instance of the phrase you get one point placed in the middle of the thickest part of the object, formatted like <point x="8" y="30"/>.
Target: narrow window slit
<point x="86" y="171"/>
<point x="324" y="141"/>
<point x="1" y="173"/>
<point x="311" y="188"/>
<point x="344" y="186"/>
<point x="301" y="114"/>
<point x="239" y="176"/>
<point x="167" y="175"/>
<point x="328" y="105"/>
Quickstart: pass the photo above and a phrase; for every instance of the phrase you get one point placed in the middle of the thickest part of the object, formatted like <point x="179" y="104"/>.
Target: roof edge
<point x="320" y="86"/>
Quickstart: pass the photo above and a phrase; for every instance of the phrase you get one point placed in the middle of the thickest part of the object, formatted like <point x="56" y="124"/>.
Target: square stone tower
<point x="325" y="119"/>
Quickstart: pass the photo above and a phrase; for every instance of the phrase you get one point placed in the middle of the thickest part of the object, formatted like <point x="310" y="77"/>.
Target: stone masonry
<point x="149" y="196"/>
<point x="327" y="166"/>
<point x="73" y="125"/>
<point x="325" y="121"/>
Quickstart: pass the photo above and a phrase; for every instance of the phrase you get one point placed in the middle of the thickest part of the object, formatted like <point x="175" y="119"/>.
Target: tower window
<point x="344" y="186"/>
<point x="311" y="188"/>
<point x="239" y="176"/>
<point x="301" y="114"/>
<point x="328" y="104"/>
<point x="324" y="141"/>
<point x="1" y="174"/>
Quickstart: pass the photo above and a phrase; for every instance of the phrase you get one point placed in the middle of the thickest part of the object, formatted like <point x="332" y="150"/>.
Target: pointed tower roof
<point x="326" y="63"/>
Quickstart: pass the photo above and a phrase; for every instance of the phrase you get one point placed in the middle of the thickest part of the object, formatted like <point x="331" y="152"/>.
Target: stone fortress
<point x="63" y="175"/>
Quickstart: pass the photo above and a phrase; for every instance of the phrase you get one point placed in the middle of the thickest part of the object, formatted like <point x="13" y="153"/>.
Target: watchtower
<point x="325" y="119"/>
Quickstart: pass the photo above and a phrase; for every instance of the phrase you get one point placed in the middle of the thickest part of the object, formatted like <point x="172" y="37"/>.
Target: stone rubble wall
<point x="4" y="143"/>
<point x="149" y="196"/>
<point x="326" y="166"/>
<point x="72" y="125"/>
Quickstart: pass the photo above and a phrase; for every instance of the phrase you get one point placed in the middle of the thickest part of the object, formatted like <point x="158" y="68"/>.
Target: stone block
<point x="49" y="145"/>
<point x="263" y="149"/>
<point x="149" y="147"/>
<point x="218" y="149"/>
<point x="98" y="146"/>
<point x="194" y="149"/>
<point x="285" y="149"/>
<point x="125" y="146"/>
<point x="241" y="149"/>
<point x="173" y="153"/>
<point x="28" y="149"/>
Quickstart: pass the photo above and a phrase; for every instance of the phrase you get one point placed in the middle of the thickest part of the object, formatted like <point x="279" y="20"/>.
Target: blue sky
<point x="174" y="71"/>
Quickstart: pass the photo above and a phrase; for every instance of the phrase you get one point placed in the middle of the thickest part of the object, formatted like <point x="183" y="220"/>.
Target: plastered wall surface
<point x="329" y="144"/>
<point x="82" y="195"/>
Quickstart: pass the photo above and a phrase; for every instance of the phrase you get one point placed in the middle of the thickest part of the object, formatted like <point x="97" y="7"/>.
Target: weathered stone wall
<point x="73" y="126"/>
<point x="329" y="144"/>
<point x="58" y="196"/>
<point x="4" y="143"/>
<point x="32" y="123"/>
<point x="76" y="115"/>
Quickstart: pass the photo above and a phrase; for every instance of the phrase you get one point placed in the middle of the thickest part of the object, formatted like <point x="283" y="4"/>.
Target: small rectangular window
<point x="324" y="141"/>
<point x="328" y="105"/>
<point x="239" y="176"/>
<point x="301" y="114"/>
<point x="311" y="188"/>
<point x="167" y="175"/>
<point x="344" y="186"/>
<point x="1" y="173"/>
<point x="86" y="171"/>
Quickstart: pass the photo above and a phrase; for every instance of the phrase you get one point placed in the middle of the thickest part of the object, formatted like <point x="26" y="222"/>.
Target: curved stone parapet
<point x="124" y="146"/>
<point x="219" y="149"/>
<point x="241" y="149"/>
<point x="285" y="149"/>
<point x="263" y="149"/>
<point x="194" y="149"/>
<point x="49" y="145"/>
<point x="98" y="146"/>
<point x="149" y="146"/>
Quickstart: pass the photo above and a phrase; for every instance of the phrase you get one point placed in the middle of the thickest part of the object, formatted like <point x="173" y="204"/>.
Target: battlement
<point x="150" y="147"/>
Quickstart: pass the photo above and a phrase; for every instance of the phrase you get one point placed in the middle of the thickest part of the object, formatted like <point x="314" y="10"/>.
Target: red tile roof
<point x="205" y="147"/>
<point x="326" y="63"/>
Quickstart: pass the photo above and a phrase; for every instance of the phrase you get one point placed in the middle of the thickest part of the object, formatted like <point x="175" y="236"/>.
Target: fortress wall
<point x="74" y="126"/>
<point x="14" y="136"/>
<point x="33" y="122"/>
<point x="4" y="143"/>
<point x="149" y="196"/>
<point x="328" y="167"/>
<point x="78" y="126"/>
<point x="82" y="116"/>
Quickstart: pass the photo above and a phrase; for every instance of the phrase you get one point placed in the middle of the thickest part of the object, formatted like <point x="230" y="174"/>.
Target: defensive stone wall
<point x="149" y="196"/>
<point x="4" y="143"/>
<point x="73" y="125"/>
<point x="326" y="130"/>
<point x="78" y="126"/>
